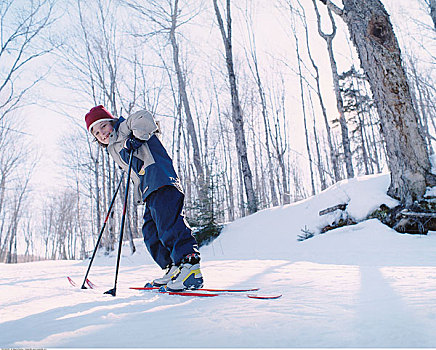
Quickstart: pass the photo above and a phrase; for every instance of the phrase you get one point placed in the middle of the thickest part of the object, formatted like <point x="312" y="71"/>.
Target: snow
<point x="431" y="192"/>
<point x="272" y="233"/>
<point x="363" y="285"/>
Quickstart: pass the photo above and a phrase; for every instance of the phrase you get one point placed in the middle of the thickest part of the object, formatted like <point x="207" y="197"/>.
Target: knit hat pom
<point x="96" y="115"/>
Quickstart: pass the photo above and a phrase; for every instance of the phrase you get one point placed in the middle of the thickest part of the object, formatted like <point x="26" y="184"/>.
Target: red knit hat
<point x="96" y="115"/>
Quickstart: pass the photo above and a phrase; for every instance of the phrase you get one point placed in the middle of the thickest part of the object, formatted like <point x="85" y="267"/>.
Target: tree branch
<point x="333" y="7"/>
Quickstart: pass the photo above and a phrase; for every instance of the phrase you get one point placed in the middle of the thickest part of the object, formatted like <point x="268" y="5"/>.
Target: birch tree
<point x="331" y="150"/>
<point x="184" y="97"/>
<point x="23" y="24"/>
<point x="379" y="52"/>
<point x="303" y="107"/>
<point x="237" y="117"/>
<point x="339" y="102"/>
<point x="254" y="68"/>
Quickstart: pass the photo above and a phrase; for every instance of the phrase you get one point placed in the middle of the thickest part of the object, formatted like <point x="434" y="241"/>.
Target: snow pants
<point x="167" y="236"/>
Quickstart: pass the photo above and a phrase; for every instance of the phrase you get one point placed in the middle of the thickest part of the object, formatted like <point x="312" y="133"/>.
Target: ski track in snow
<point x="358" y="286"/>
<point x="322" y="305"/>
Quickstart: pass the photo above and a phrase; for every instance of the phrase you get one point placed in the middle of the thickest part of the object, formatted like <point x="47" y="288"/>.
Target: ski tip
<point x="90" y="284"/>
<point x="264" y="297"/>
<point x="71" y="282"/>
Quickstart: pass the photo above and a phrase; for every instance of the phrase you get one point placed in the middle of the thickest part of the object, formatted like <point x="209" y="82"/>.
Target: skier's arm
<point x="142" y="125"/>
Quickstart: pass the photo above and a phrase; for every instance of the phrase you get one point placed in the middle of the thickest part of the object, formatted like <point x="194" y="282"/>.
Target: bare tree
<point x="237" y="117"/>
<point x="228" y="166"/>
<point x="279" y="139"/>
<point x="186" y="105"/>
<point x="332" y="152"/>
<point x="168" y="18"/>
<point x="339" y="102"/>
<point x="303" y="107"/>
<point x="254" y="68"/>
<point x="92" y="56"/>
<point x="22" y="27"/>
<point x="422" y="98"/>
<point x="319" y="164"/>
<point x="372" y="34"/>
<point x="13" y="215"/>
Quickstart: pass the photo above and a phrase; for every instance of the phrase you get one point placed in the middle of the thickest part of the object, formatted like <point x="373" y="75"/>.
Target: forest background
<point x="60" y="58"/>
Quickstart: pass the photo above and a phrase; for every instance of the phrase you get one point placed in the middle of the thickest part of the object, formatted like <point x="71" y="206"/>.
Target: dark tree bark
<point x="372" y="33"/>
<point x="432" y="5"/>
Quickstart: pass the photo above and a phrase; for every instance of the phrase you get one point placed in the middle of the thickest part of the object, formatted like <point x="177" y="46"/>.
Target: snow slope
<point x="358" y="286"/>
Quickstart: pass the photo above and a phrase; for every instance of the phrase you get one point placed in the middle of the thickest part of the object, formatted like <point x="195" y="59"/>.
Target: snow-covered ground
<point x="359" y="286"/>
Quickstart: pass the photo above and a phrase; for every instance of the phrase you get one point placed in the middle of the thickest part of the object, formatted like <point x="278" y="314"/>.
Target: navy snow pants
<point x="167" y="236"/>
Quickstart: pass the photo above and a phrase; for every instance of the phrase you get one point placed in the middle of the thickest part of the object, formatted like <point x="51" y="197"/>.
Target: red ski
<point x="191" y="294"/>
<point x="214" y="290"/>
<point x="208" y="294"/>
<point x="264" y="296"/>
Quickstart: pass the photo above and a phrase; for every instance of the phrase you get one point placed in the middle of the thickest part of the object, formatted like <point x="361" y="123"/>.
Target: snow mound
<point x="273" y="233"/>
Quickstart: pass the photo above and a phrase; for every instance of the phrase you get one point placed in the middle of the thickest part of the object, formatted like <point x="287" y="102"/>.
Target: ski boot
<point x="189" y="276"/>
<point x="172" y="270"/>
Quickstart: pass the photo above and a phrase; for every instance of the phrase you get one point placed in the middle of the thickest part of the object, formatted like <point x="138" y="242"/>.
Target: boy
<point x="166" y="235"/>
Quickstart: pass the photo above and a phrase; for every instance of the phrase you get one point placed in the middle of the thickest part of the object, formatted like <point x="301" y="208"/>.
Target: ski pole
<point x="113" y="291"/>
<point x="102" y="230"/>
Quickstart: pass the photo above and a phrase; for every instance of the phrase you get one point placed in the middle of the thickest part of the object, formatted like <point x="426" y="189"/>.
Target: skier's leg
<point x="166" y="207"/>
<point x="157" y="250"/>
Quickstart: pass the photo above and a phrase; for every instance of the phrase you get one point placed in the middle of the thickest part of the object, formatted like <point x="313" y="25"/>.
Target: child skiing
<point x="166" y="234"/>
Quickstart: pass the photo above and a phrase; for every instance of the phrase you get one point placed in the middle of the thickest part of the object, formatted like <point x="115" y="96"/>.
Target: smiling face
<point x="102" y="130"/>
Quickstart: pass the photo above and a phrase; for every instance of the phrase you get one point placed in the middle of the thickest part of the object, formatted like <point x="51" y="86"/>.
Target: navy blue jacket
<point x="152" y="167"/>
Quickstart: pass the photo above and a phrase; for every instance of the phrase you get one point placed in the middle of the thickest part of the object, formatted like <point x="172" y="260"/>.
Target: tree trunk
<point x="184" y="97"/>
<point x="372" y="34"/>
<point x="339" y="102"/>
<point x="321" y="170"/>
<point x="95" y="161"/>
<point x="274" y="199"/>
<point x="361" y="132"/>
<point x="281" y="148"/>
<point x="256" y="76"/>
<point x="422" y="108"/>
<point x="432" y="4"/>
<point x="228" y="170"/>
<point x="241" y="190"/>
<point x="238" y="122"/>
<point x="332" y="151"/>
<point x="303" y="108"/>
